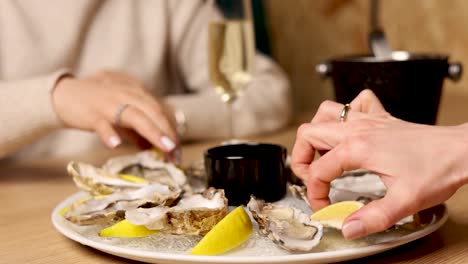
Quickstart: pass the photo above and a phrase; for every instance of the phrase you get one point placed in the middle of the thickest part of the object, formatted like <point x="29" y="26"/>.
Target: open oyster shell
<point x="149" y="165"/>
<point x="194" y="214"/>
<point x="288" y="227"/>
<point x="111" y="208"/>
<point x="108" y="179"/>
<point x="97" y="181"/>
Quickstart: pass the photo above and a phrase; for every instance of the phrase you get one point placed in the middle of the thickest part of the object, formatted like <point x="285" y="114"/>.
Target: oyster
<point x="126" y="172"/>
<point x="288" y="227"/>
<point x="97" y="181"/>
<point x="361" y="181"/>
<point x="358" y="185"/>
<point x="111" y="208"/>
<point x="148" y="165"/>
<point x="194" y="214"/>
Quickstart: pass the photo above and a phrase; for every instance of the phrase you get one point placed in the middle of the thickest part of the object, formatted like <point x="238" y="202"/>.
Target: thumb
<point x="376" y="216"/>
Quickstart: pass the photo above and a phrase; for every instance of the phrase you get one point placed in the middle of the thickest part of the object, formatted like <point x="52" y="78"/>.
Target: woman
<point x="119" y="69"/>
<point x="421" y="165"/>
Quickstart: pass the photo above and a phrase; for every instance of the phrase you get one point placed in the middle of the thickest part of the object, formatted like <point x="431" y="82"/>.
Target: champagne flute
<point x="231" y="50"/>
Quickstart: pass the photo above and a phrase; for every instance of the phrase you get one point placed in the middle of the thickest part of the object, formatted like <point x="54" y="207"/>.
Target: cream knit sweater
<point x="162" y="42"/>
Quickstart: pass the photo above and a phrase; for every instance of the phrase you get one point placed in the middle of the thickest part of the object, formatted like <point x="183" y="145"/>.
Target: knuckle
<point x="385" y="219"/>
<point x="300" y="171"/>
<point x="355" y="147"/>
<point x="312" y="185"/>
<point x="414" y="195"/>
<point x="303" y="130"/>
<point x="360" y="143"/>
<point x="386" y="114"/>
<point x="314" y="174"/>
<point x="325" y="106"/>
<point x="367" y="94"/>
<point x="384" y="222"/>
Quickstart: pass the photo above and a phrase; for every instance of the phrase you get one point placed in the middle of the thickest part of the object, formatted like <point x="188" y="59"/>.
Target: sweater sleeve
<point x="265" y="105"/>
<point x="26" y="111"/>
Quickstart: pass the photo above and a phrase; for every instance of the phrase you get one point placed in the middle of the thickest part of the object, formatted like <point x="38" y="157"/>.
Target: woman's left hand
<point x="115" y="105"/>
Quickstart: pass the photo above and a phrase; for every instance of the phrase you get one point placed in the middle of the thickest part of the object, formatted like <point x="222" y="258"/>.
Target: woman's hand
<point x="421" y="165"/>
<point x="92" y="104"/>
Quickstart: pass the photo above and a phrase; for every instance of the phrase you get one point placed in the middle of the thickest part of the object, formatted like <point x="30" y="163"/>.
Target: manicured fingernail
<point x="168" y="143"/>
<point x="353" y="229"/>
<point x="114" y="141"/>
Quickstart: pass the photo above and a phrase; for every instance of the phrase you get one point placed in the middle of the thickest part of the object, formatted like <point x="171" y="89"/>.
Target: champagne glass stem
<point x="230" y="120"/>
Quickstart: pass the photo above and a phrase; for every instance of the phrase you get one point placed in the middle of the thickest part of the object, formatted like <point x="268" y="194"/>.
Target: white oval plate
<point x="63" y="227"/>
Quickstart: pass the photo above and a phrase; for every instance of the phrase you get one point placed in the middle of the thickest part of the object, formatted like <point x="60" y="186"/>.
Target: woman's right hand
<point x="92" y="103"/>
<point x="420" y="165"/>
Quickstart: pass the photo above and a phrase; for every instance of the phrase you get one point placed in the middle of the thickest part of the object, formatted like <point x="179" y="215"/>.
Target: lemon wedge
<point x="132" y="178"/>
<point x="234" y="229"/>
<point x="126" y="229"/>
<point x="65" y="210"/>
<point x="335" y="214"/>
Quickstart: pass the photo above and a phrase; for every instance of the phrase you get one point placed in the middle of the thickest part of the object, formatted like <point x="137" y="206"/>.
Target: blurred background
<point x="303" y="33"/>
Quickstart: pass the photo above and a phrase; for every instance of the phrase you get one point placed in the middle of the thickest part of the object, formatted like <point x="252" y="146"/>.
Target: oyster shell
<point x="358" y="185"/>
<point x="298" y="191"/>
<point x="360" y="181"/>
<point x="97" y="181"/>
<point x="288" y="227"/>
<point x="194" y="214"/>
<point x="149" y="165"/>
<point x="111" y="208"/>
<point x="106" y="180"/>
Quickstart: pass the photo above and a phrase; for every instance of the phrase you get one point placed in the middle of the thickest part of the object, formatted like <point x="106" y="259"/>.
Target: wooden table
<point x="30" y="190"/>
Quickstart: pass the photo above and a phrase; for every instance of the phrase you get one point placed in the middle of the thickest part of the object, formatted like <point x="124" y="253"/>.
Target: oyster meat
<point x="194" y="214"/>
<point x="288" y="227"/>
<point x="111" y="208"/>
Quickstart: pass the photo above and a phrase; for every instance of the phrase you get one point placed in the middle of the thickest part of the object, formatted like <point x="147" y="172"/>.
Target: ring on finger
<point x="344" y="112"/>
<point x="118" y="113"/>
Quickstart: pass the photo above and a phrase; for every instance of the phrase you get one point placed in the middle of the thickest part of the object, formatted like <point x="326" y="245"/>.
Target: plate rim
<point x="337" y="255"/>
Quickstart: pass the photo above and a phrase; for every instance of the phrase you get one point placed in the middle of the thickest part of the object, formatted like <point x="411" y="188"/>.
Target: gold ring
<point x="118" y="113"/>
<point x="344" y="112"/>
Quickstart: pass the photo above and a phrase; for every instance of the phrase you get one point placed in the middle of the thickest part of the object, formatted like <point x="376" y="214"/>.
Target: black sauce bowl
<point x="248" y="169"/>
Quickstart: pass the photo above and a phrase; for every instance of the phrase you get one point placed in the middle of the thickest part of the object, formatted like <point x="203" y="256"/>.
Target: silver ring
<point x="118" y="113"/>
<point x="344" y="112"/>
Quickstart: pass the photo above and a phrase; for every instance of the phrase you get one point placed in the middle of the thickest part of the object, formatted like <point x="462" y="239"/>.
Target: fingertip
<point x="377" y="216"/>
<point x="353" y="229"/>
<point x="167" y="143"/>
<point x="113" y="141"/>
<point x="108" y="134"/>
